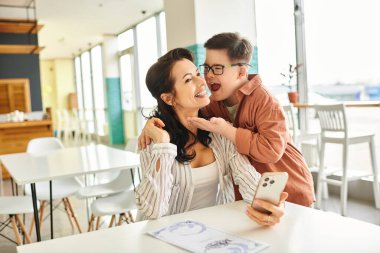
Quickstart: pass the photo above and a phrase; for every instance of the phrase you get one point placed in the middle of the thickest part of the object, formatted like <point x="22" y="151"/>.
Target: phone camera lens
<point x="265" y="184"/>
<point x="271" y="182"/>
<point x="266" y="179"/>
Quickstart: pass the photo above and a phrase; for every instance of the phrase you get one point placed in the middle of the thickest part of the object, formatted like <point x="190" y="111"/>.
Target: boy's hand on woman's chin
<point x="215" y="125"/>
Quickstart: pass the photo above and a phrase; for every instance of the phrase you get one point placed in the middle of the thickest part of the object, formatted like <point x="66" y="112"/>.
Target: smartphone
<point x="270" y="187"/>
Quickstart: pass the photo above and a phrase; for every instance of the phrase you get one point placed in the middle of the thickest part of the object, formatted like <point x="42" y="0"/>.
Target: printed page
<point x="197" y="237"/>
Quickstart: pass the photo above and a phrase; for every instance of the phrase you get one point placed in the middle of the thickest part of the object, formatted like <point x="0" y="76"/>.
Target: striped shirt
<point x="170" y="190"/>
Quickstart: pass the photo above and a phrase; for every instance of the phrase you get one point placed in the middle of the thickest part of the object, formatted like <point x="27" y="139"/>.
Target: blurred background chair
<point x="298" y="135"/>
<point x="117" y="181"/>
<point x="119" y="204"/>
<point x="113" y="196"/>
<point x="62" y="188"/>
<point x="334" y="129"/>
<point x="13" y="206"/>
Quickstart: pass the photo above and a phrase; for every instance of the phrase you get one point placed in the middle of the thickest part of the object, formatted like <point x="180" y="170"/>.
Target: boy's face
<point x="222" y="86"/>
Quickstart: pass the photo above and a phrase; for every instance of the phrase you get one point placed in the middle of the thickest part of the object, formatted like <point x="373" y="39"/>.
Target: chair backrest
<point x="44" y="144"/>
<point x="291" y="122"/>
<point x="332" y="118"/>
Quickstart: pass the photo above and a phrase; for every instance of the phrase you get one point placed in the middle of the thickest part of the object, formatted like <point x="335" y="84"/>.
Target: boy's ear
<point x="243" y="71"/>
<point x="167" y="98"/>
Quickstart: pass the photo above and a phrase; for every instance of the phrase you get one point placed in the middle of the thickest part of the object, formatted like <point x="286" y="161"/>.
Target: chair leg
<point x="120" y="219"/>
<point x="68" y="212"/>
<point x="15" y="230"/>
<point x="321" y="176"/>
<point x="376" y="190"/>
<point x="344" y="186"/>
<point x="131" y="216"/>
<point x="21" y="224"/>
<point x="112" y="221"/>
<point x="42" y="208"/>
<point x="133" y="180"/>
<point x="325" y="190"/>
<point x="98" y="223"/>
<point x="90" y="223"/>
<point x="73" y="215"/>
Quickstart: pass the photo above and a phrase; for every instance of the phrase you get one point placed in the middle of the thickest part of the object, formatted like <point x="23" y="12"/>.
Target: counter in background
<point x="14" y="136"/>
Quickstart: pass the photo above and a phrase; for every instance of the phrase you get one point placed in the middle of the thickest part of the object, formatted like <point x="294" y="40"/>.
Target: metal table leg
<point x="51" y="210"/>
<point x="35" y="210"/>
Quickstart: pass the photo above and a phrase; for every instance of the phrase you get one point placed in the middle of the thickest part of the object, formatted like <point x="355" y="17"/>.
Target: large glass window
<point x="90" y="91"/>
<point x="127" y="87"/>
<point x="98" y="89"/>
<point x="147" y="55"/>
<point x="87" y="91"/>
<point x="125" y="40"/>
<point x="275" y="43"/>
<point x="342" y="48"/>
<point x="78" y="79"/>
<point x="150" y="38"/>
<point x="162" y="31"/>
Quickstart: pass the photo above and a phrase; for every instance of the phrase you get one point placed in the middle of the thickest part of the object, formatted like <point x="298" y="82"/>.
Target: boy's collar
<point x="251" y="85"/>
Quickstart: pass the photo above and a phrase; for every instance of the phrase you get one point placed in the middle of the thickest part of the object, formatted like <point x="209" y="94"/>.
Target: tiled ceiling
<point x="74" y="25"/>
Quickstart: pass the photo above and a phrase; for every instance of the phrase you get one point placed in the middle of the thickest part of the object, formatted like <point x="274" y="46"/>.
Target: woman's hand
<point x="153" y="131"/>
<point x="277" y="211"/>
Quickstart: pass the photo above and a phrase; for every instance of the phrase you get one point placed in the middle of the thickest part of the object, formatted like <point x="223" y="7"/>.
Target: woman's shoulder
<point x="219" y="141"/>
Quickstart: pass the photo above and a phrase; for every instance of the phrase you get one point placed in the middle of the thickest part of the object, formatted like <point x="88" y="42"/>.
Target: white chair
<point x="335" y="130"/>
<point x="298" y="135"/>
<point x="61" y="188"/>
<point x="119" y="204"/>
<point x="118" y="184"/>
<point x="13" y="206"/>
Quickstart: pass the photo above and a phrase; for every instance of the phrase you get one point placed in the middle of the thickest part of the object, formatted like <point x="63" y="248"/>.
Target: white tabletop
<point x="30" y="168"/>
<point x="301" y="230"/>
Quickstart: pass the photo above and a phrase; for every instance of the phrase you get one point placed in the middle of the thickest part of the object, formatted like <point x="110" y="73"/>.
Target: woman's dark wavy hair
<point x="159" y="80"/>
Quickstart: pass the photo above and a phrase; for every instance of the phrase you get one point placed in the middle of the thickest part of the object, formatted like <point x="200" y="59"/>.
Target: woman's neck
<point x="182" y="116"/>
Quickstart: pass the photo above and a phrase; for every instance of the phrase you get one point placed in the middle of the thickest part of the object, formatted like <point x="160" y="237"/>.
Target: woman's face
<point x="189" y="87"/>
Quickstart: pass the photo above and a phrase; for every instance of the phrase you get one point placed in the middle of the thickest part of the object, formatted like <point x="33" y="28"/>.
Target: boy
<point x="259" y="128"/>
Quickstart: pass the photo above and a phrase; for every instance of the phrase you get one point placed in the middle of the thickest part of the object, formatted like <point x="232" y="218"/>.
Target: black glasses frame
<point x="220" y="70"/>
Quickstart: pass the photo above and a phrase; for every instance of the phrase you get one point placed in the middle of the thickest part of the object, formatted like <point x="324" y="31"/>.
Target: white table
<point x="301" y="230"/>
<point x="27" y="168"/>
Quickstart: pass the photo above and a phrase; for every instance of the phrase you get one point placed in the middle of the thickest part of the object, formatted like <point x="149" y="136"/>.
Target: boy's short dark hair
<point x="238" y="48"/>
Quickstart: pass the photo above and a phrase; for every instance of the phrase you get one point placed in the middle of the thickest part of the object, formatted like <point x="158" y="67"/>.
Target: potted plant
<point x="292" y="72"/>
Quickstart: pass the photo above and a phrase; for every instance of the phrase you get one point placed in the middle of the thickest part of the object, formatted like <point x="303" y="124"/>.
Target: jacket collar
<point x="253" y="82"/>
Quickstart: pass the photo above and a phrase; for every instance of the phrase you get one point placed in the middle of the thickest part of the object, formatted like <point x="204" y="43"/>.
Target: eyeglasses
<point x="218" y="69"/>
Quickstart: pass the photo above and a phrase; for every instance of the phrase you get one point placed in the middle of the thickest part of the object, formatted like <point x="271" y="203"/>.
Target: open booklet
<point x="197" y="237"/>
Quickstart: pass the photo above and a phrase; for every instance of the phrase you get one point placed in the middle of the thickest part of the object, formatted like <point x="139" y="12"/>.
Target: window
<point x="162" y="31"/>
<point x="90" y="91"/>
<point x="342" y="48"/>
<point x="98" y="89"/>
<point x="78" y="79"/>
<point x="128" y="101"/>
<point x="150" y="38"/>
<point x="125" y="40"/>
<point x="147" y="55"/>
<point x="275" y="43"/>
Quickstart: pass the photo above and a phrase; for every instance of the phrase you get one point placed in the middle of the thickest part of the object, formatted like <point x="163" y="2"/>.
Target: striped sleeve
<point x="153" y="193"/>
<point x="243" y="173"/>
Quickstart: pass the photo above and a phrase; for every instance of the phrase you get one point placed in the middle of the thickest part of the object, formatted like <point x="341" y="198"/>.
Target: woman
<point x="186" y="168"/>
